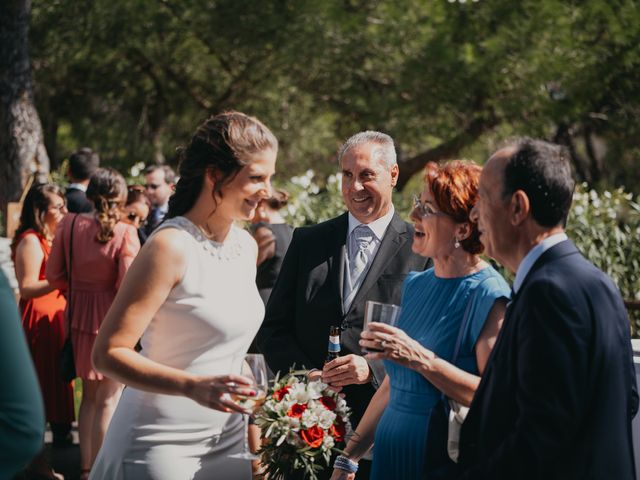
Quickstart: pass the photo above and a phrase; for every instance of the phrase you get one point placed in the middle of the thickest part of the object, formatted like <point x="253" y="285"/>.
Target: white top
<point x="209" y="317"/>
<point x="530" y="258"/>
<point x="78" y="186"/>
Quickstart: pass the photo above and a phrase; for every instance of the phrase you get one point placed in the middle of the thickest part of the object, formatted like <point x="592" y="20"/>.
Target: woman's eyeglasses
<point x="424" y="209"/>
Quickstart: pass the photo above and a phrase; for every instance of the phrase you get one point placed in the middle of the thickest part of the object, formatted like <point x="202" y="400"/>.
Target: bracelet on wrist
<point x="346" y="464"/>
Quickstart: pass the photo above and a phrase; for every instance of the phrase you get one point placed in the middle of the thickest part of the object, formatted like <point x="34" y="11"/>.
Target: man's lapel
<point x="336" y="251"/>
<point x="561" y="249"/>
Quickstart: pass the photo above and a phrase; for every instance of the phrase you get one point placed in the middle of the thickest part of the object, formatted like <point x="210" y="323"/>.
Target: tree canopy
<point x="133" y="79"/>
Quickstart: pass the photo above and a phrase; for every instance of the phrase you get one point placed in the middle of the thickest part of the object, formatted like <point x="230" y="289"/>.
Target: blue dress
<point x="432" y="311"/>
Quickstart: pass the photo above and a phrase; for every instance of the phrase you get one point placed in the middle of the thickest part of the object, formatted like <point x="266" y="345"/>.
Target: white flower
<point x="299" y="393"/>
<point x="308" y="419"/>
<point x="326" y="418"/>
<point x="327" y="442"/>
<point x="315" y="389"/>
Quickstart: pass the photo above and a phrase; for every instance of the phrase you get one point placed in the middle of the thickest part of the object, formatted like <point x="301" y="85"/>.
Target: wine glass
<point x="252" y="366"/>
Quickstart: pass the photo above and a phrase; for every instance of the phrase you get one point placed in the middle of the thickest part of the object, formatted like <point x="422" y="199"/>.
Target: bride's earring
<point x="456" y="244"/>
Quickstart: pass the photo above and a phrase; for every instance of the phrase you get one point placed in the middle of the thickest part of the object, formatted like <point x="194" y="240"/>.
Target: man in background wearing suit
<point x="558" y="394"/>
<point x="82" y="164"/>
<point x="159" y="186"/>
<point x="332" y="268"/>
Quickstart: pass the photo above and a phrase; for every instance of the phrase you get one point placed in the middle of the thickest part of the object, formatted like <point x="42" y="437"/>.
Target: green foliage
<point x="606" y="229"/>
<point x="604" y="226"/>
<point x="133" y="79"/>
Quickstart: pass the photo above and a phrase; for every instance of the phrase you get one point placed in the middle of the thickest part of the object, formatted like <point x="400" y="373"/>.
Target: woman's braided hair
<point x="107" y="190"/>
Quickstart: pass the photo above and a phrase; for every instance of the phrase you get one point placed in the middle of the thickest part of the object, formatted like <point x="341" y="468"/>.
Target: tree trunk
<point x="446" y="150"/>
<point x="22" y="151"/>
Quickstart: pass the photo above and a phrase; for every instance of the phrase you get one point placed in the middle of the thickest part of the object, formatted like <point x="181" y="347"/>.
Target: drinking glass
<point x="380" y="312"/>
<point x="251" y="365"/>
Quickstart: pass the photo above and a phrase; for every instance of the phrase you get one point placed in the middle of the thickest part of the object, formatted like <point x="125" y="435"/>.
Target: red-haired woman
<point x="417" y="355"/>
<point x="103" y="249"/>
<point x="42" y="308"/>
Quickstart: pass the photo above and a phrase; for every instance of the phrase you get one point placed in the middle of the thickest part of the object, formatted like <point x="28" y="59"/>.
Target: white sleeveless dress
<point x="208" y="318"/>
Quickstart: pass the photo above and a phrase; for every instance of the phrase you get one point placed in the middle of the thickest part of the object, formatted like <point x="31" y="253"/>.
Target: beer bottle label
<point x="334" y="343"/>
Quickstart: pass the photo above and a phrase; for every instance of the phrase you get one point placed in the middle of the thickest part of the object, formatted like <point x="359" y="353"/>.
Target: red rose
<point x="338" y="430"/>
<point x="279" y="394"/>
<point x="312" y="436"/>
<point x="329" y="403"/>
<point x="296" y="410"/>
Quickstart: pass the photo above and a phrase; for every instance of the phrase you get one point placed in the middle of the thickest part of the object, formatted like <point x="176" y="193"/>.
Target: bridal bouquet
<point x="302" y="422"/>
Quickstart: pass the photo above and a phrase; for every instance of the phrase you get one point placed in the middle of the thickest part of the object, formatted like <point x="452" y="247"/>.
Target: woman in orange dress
<point x="42" y="308"/>
<point x="103" y="249"/>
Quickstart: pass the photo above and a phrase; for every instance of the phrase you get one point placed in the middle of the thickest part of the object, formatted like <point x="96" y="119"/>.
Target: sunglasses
<point x="424" y="209"/>
<point x="60" y="207"/>
<point x="132" y="216"/>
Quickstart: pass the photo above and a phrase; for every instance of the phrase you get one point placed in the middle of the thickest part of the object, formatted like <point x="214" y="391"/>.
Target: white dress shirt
<point x="379" y="228"/>
<point x="530" y="258"/>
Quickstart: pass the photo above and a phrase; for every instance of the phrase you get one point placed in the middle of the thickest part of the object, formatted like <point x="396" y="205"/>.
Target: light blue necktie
<point x="362" y="236"/>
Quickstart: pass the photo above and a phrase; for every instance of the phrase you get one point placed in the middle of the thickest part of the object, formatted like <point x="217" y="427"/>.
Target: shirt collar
<point x="378" y="226"/>
<point x="530" y="258"/>
<point x="78" y="186"/>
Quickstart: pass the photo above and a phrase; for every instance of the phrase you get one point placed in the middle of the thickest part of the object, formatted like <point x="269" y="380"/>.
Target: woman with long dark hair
<point x="42" y="309"/>
<point x="100" y="249"/>
<point x="191" y="296"/>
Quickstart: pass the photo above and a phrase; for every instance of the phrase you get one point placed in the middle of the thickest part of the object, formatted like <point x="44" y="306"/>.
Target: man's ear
<point x="519" y="207"/>
<point x="395" y="171"/>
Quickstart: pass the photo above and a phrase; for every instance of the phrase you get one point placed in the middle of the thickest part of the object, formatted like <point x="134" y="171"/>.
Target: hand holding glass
<point x="252" y="366"/>
<point x="382" y="313"/>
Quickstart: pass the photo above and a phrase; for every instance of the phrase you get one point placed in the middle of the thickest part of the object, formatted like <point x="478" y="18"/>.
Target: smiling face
<point x="491" y="210"/>
<point x="434" y="230"/>
<point x="55" y="212"/>
<point x="367" y="183"/>
<point x="241" y="196"/>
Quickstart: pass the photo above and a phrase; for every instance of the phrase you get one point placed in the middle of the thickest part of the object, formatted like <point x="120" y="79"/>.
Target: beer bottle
<point x="334" y="344"/>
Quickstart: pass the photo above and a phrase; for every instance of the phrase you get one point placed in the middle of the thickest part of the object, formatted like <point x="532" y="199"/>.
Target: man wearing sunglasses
<point x="159" y="184"/>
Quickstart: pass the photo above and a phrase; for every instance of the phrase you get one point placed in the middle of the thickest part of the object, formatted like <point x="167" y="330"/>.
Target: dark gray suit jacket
<point x="558" y="394"/>
<point x="77" y="201"/>
<point x="307" y="298"/>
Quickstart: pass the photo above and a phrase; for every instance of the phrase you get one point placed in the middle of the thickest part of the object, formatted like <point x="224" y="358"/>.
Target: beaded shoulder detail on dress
<point x="230" y="249"/>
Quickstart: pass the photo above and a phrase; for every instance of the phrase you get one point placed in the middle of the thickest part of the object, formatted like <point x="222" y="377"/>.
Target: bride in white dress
<point x="191" y="297"/>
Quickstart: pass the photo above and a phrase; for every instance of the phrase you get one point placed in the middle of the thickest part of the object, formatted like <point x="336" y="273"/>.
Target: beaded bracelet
<point x="346" y="464"/>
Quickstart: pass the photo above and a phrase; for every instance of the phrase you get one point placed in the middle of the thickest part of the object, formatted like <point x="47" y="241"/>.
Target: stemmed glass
<point x="252" y="366"/>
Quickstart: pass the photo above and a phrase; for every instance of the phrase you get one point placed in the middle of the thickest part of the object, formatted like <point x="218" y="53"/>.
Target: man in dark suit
<point x="82" y="164"/>
<point x="159" y="186"/>
<point x="558" y="394"/>
<point x="332" y="268"/>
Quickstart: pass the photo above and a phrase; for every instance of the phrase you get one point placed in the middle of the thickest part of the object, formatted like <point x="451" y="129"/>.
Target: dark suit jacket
<point x="307" y="298"/>
<point x="77" y="201"/>
<point x="558" y="394"/>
